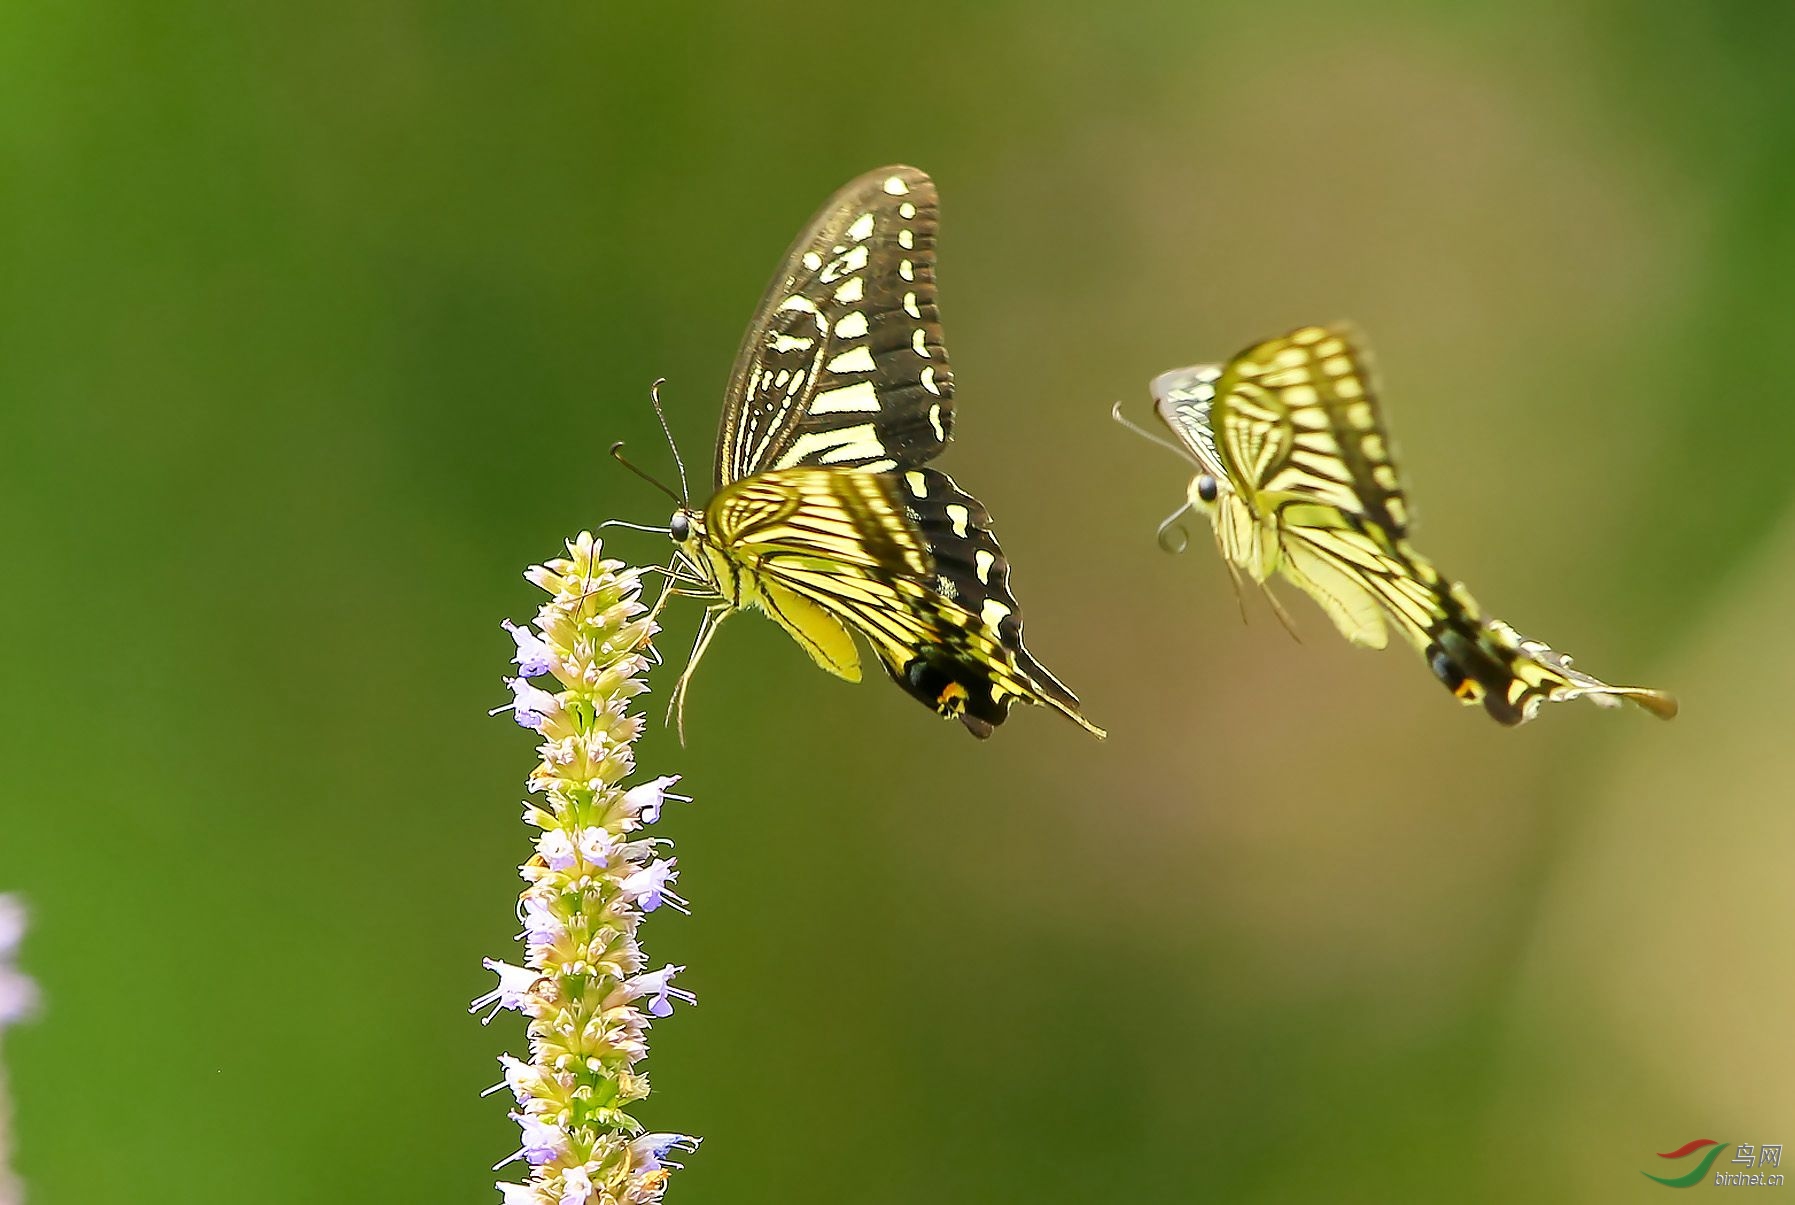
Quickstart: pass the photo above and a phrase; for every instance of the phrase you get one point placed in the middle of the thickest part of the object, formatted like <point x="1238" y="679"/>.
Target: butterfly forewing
<point x="1299" y="416"/>
<point x="844" y="365"/>
<point x="1184" y="399"/>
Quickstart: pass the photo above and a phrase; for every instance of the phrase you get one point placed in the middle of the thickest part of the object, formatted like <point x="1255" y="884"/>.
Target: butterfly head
<point x="686" y="528"/>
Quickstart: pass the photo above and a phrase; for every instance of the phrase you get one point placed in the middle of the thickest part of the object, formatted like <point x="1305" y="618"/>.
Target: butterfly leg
<point x="707" y="627"/>
<point x="1172" y="536"/>
<point x="1277" y="608"/>
<point x="1221" y="548"/>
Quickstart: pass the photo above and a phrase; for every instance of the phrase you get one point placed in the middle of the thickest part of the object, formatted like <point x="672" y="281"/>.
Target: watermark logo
<point x="1769" y="1154"/>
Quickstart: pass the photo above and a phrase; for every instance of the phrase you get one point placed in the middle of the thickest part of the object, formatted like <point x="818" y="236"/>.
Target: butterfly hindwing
<point x="844" y="364"/>
<point x="972" y="577"/>
<point x="905" y="559"/>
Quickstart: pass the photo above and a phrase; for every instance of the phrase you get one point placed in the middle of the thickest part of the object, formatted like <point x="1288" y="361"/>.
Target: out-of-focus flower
<point x="18" y="1000"/>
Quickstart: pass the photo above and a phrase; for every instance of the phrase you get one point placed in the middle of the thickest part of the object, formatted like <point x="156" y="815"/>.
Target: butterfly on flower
<point x="1295" y="474"/>
<point x="824" y="517"/>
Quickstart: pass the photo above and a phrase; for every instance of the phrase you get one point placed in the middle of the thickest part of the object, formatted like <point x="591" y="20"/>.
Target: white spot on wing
<point x="855" y="359"/>
<point x="850" y="290"/>
<point x="862" y="228"/>
<point x="848" y="262"/>
<point x="983" y="561"/>
<point x="958" y="515"/>
<point x="935" y="421"/>
<point x="895" y="186"/>
<point x="910" y="306"/>
<point x="812" y="260"/>
<point x="928" y="380"/>
<point x="917" y="338"/>
<point x="994" y="612"/>
<point x="832" y="447"/>
<point x="852" y="326"/>
<point x="858" y="396"/>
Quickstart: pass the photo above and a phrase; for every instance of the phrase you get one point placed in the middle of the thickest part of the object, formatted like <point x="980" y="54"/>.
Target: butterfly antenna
<point x="1115" y="412"/>
<point x="617" y="455"/>
<point x="654" y="396"/>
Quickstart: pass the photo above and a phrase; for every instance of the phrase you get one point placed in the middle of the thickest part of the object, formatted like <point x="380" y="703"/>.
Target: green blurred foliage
<point x="315" y="323"/>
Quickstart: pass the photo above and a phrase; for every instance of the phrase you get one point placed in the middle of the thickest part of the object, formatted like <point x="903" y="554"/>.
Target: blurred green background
<point x="315" y="322"/>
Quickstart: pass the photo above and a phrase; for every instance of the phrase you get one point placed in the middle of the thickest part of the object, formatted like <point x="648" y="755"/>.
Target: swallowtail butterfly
<point x="824" y="515"/>
<point x="1295" y="473"/>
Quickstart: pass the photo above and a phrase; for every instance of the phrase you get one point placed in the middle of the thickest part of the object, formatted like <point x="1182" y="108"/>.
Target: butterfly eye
<point x="1206" y="488"/>
<point x="679" y="527"/>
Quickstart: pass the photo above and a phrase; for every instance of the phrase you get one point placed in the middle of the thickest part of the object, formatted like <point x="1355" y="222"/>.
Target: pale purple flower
<point x="651" y="886"/>
<point x="587" y="880"/>
<point x="542" y="1141"/>
<point x="556" y="848"/>
<point x="541" y="926"/>
<point x="650" y="1150"/>
<point x="597" y="846"/>
<point x="530" y="706"/>
<point x="658" y="986"/>
<point x="513" y="988"/>
<point x="18" y="994"/>
<point x="533" y="656"/>
<point x="576" y="1186"/>
<point x="18" y="997"/>
<point x="12" y="925"/>
<point x="644" y="801"/>
<point x="520" y="1078"/>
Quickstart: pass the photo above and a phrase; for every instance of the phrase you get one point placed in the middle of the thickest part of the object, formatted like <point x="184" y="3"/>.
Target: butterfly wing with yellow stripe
<point x="908" y="561"/>
<point x="823" y="516"/>
<point x="1307" y="487"/>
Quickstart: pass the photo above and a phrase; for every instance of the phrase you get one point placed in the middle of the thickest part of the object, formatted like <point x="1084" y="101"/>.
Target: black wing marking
<point x="1483" y="660"/>
<point x="843" y="365"/>
<point x="908" y="561"/>
<point x="1480" y="659"/>
<point x="972" y="574"/>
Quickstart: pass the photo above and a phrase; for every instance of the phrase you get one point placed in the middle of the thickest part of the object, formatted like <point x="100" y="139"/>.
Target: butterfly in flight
<point x="824" y="517"/>
<point x="1296" y="476"/>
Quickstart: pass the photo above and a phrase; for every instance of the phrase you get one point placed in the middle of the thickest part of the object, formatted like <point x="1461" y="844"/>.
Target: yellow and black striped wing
<point x="907" y="560"/>
<point x="1483" y="660"/>
<point x="1354" y="573"/>
<point x="1293" y="430"/>
<point x="1297" y="419"/>
<point x="843" y="364"/>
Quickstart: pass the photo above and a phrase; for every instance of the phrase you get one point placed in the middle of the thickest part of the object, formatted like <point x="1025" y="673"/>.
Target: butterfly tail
<point x="1483" y="660"/>
<point x="979" y="666"/>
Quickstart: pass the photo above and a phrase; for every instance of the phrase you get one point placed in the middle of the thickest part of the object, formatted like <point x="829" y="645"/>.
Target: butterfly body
<point x="824" y="516"/>
<point x="1298" y="479"/>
